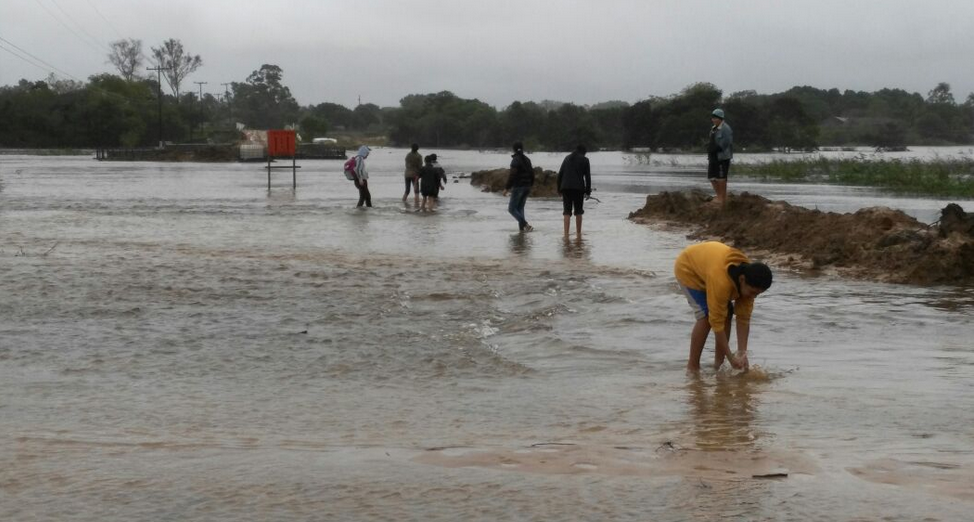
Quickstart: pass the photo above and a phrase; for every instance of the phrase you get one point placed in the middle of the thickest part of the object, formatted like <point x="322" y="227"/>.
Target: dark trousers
<point x="519" y="196"/>
<point x="364" y="196"/>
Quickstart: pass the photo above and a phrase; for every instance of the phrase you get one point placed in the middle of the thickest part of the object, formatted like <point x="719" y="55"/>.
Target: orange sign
<point x="280" y="143"/>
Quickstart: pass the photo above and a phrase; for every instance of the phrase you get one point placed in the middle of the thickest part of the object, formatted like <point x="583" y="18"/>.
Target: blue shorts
<point x="698" y="302"/>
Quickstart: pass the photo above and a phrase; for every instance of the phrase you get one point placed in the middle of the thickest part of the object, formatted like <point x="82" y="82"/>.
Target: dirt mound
<point x="875" y="243"/>
<point x="211" y="153"/>
<point x="545" y="181"/>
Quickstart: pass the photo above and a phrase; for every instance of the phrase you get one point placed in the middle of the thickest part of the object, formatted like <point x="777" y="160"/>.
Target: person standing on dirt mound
<point x="519" y="183"/>
<point x="720" y="150"/>
<point x="719" y="281"/>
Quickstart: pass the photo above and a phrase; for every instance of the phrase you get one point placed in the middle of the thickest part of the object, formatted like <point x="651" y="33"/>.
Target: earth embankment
<point x="545" y="181"/>
<point x="876" y="243"/>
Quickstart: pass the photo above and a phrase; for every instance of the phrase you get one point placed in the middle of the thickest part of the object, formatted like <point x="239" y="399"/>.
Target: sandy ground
<point x="876" y="243"/>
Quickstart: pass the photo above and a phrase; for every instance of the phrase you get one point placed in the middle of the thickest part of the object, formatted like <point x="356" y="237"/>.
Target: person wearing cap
<point x="574" y="185"/>
<point x="431" y="179"/>
<point x="719" y="282"/>
<point x="414" y="162"/>
<point x="519" y="183"/>
<point x="720" y="150"/>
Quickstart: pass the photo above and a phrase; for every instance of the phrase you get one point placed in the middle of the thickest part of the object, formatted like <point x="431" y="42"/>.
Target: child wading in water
<point x="430" y="178"/>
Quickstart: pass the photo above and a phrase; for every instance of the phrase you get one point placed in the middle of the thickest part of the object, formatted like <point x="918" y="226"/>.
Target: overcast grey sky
<point x="504" y="50"/>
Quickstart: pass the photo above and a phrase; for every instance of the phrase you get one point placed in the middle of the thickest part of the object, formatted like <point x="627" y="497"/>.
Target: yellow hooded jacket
<point x="704" y="267"/>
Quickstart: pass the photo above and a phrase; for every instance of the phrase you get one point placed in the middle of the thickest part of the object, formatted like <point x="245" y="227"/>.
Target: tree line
<point x="134" y="108"/>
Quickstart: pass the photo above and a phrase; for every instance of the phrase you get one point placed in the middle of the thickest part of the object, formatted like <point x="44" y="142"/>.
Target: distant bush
<point x="941" y="177"/>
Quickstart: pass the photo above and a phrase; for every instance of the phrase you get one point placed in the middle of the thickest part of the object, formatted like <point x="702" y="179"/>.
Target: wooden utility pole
<point x="226" y="87"/>
<point x="159" y="94"/>
<point x="201" y="84"/>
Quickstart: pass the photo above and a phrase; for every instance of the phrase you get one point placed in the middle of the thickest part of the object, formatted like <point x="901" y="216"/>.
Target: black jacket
<point x="575" y="174"/>
<point x="522" y="172"/>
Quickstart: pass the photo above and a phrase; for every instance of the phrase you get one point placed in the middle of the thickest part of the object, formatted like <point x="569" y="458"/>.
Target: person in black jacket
<point x="519" y="183"/>
<point x="431" y="181"/>
<point x="574" y="184"/>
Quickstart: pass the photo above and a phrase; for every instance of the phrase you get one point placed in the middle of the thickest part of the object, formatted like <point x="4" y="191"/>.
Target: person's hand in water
<point x="741" y="359"/>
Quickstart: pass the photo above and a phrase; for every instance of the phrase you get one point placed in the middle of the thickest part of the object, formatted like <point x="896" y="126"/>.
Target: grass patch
<point x="940" y="177"/>
<point x="48" y="152"/>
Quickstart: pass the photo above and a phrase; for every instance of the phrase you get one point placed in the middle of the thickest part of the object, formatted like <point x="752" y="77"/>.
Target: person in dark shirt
<point x="519" y="183"/>
<point x="574" y="185"/>
<point x="432" y="179"/>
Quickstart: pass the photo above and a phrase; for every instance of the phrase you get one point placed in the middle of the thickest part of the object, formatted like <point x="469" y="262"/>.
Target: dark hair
<point x="518" y="146"/>
<point x="581" y="149"/>
<point x="757" y="275"/>
<point x="415" y="147"/>
<point x="428" y="159"/>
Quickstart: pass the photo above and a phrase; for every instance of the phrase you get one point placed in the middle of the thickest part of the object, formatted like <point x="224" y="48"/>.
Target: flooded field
<point x="178" y="342"/>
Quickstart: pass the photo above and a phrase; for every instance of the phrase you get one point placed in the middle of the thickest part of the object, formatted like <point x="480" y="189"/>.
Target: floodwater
<point x="178" y="342"/>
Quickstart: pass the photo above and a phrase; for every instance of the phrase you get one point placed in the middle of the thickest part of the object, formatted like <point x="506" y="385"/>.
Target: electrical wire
<point x="26" y="60"/>
<point x="66" y="26"/>
<point x="49" y="68"/>
<point x="79" y="26"/>
<point x="107" y="21"/>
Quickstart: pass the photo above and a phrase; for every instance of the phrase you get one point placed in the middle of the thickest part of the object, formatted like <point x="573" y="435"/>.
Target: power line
<point x="50" y="68"/>
<point x="66" y="26"/>
<point x="78" y="25"/>
<point x="107" y="21"/>
<point x="26" y="60"/>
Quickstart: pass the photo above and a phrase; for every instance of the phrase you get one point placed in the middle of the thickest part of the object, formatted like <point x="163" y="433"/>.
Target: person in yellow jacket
<point x="720" y="281"/>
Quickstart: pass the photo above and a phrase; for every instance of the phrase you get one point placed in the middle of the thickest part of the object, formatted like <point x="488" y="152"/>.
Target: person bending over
<point x="719" y="282"/>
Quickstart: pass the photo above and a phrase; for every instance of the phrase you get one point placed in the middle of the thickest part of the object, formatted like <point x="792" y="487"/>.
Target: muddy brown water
<point x="179" y="343"/>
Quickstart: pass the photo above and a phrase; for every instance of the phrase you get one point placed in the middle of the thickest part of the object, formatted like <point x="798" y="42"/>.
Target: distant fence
<point x="214" y="153"/>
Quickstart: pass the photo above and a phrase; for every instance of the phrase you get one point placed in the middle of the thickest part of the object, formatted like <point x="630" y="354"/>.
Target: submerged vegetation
<point x="938" y="177"/>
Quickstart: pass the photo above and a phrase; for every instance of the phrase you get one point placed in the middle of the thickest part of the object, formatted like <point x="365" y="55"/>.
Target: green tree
<point x="684" y="118"/>
<point x="569" y="126"/>
<point x="941" y="94"/>
<point x="263" y="101"/>
<point x="334" y="114"/>
<point x="366" y="117"/>
<point x="522" y="122"/>
<point x="748" y="117"/>
<point x="313" y="127"/>
<point x="640" y="124"/>
<point x="789" y="126"/>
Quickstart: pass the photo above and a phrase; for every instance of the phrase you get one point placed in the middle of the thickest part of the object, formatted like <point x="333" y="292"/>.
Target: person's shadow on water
<point x="723" y="411"/>
<point x="575" y="248"/>
<point x="520" y="243"/>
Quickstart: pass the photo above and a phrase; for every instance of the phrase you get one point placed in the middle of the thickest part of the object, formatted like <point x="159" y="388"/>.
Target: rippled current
<point x="178" y="342"/>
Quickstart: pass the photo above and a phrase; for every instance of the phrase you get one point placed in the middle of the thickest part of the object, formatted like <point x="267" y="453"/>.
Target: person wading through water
<point x="519" y="183"/>
<point x="414" y="162"/>
<point x="574" y="185"/>
<point x="361" y="177"/>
